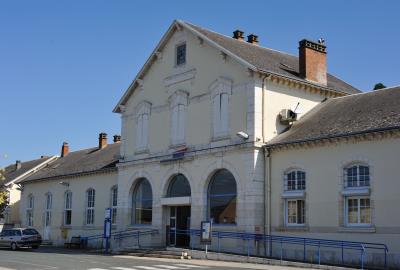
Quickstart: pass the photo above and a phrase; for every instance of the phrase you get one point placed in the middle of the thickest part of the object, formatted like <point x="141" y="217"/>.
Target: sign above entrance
<point x="206" y="232"/>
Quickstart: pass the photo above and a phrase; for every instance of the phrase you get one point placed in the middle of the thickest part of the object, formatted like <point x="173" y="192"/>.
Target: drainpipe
<point x="267" y="192"/>
<point x="263" y="140"/>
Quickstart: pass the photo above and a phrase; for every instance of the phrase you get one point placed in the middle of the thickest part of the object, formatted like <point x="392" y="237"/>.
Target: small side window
<point x="181" y="54"/>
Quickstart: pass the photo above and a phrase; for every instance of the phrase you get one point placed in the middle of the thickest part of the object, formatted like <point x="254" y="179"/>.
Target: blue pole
<point x="218" y="241"/>
<point x="304" y="250"/>
<point x="319" y="252"/>
<point x="362" y="259"/>
<point x="281" y="251"/>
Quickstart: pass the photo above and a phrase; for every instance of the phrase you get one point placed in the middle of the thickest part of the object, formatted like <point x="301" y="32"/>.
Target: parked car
<point x="20" y="237"/>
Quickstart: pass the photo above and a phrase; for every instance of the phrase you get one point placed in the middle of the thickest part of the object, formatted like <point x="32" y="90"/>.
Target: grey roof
<point x="269" y="60"/>
<point x="11" y="172"/>
<point x="80" y="162"/>
<point x="349" y="115"/>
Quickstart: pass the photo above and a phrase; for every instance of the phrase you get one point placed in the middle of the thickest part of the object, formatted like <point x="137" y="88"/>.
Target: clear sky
<point x="65" y="64"/>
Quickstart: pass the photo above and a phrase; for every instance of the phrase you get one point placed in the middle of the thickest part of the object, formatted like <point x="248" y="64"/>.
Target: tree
<point x="3" y="193"/>
<point x="379" y="86"/>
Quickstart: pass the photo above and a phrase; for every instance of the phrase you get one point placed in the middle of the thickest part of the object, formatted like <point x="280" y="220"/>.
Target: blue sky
<point x="65" y="64"/>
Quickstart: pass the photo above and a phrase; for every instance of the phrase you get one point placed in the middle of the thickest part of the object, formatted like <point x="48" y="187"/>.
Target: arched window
<point x="295" y="180"/>
<point x="90" y="202"/>
<point x="114" y="204"/>
<point x="222" y="196"/>
<point x="67" y="208"/>
<point x="357" y="204"/>
<point x="357" y="175"/>
<point x="47" y="215"/>
<point x="29" y="210"/>
<point x="142" y="203"/>
<point x="179" y="187"/>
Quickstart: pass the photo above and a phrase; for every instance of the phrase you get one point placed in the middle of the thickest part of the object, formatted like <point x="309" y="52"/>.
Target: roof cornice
<point x="371" y="134"/>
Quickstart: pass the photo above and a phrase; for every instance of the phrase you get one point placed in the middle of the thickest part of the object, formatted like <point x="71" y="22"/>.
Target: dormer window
<point x="181" y="54"/>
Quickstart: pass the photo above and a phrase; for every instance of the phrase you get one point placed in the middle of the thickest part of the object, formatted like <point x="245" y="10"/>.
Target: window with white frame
<point x="295" y="180"/>
<point x="295" y="212"/>
<point x="47" y="214"/>
<point x="178" y="104"/>
<point x="114" y="204"/>
<point x="67" y="208"/>
<point x="180" y="54"/>
<point x="29" y="210"/>
<point x="358" y="211"/>
<point x="142" y="125"/>
<point x="220" y="91"/>
<point x="90" y="202"/>
<point x="357" y="176"/>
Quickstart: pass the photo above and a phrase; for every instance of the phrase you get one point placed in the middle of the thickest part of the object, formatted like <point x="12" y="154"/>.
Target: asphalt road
<point x="51" y="258"/>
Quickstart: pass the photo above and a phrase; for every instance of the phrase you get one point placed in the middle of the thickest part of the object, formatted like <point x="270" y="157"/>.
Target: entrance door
<point x="179" y="223"/>
<point x="47" y="223"/>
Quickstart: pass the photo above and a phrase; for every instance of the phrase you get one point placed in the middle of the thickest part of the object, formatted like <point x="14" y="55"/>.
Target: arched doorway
<point x="179" y="193"/>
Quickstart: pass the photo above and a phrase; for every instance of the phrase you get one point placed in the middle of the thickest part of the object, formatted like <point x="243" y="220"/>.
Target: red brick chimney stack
<point x="312" y="61"/>
<point x="102" y="140"/>
<point x="64" y="149"/>
<point x="117" y="139"/>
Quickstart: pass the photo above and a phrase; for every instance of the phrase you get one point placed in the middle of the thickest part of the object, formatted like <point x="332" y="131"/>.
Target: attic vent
<point x="287" y="116"/>
<point x="55" y="166"/>
<point x="287" y="66"/>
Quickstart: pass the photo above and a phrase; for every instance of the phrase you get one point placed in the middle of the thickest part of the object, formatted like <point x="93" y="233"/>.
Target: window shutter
<point x="216" y="115"/>
<point x="224" y="113"/>
<point x="145" y="131"/>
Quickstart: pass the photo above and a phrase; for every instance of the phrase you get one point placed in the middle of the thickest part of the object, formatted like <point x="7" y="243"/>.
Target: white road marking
<point x="191" y="265"/>
<point x="169" y="266"/>
<point x="150" y="268"/>
<point x="123" y="268"/>
<point x="96" y="269"/>
<point x="40" y="265"/>
<point x="3" y="268"/>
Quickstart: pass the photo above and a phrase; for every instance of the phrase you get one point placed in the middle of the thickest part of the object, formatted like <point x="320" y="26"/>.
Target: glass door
<point x="172" y="226"/>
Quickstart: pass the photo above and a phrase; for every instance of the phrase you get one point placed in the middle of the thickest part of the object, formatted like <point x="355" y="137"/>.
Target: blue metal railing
<point x="269" y="240"/>
<point x="119" y="235"/>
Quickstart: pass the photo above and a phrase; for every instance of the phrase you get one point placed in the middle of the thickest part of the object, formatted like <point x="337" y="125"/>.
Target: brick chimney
<point x="117" y="139"/>
<point x="253" y="39"/>
<point x="238" y="34"/>
<point x="312" y="61"/>
<point x="64" y="149"/>
<point x="102" y="140"/>
<point x="18" y="164"/>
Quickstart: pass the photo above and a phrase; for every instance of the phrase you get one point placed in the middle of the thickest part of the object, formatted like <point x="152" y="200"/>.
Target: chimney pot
<point x="102" y="140"/>
<point x="253" y="39"/>
<point x="312" y="61"/>
<point x="238" y="34"/>
<point x="64" y="149"/>
<point x="18" y="164"/>
<point x="117" y="138"/>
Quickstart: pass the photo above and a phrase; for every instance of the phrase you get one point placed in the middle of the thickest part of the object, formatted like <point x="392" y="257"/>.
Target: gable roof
<point x="12" y="174"/>
<point x="254" y="57"/>
<point x="373" y="111"/>
<point x="86" y="161"/>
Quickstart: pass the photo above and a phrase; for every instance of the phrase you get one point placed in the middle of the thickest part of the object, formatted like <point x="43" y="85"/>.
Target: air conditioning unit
<point x="287" y="116"/>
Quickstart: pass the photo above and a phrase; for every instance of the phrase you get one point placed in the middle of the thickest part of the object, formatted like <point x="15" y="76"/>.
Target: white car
<point x="20" y="237"/>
